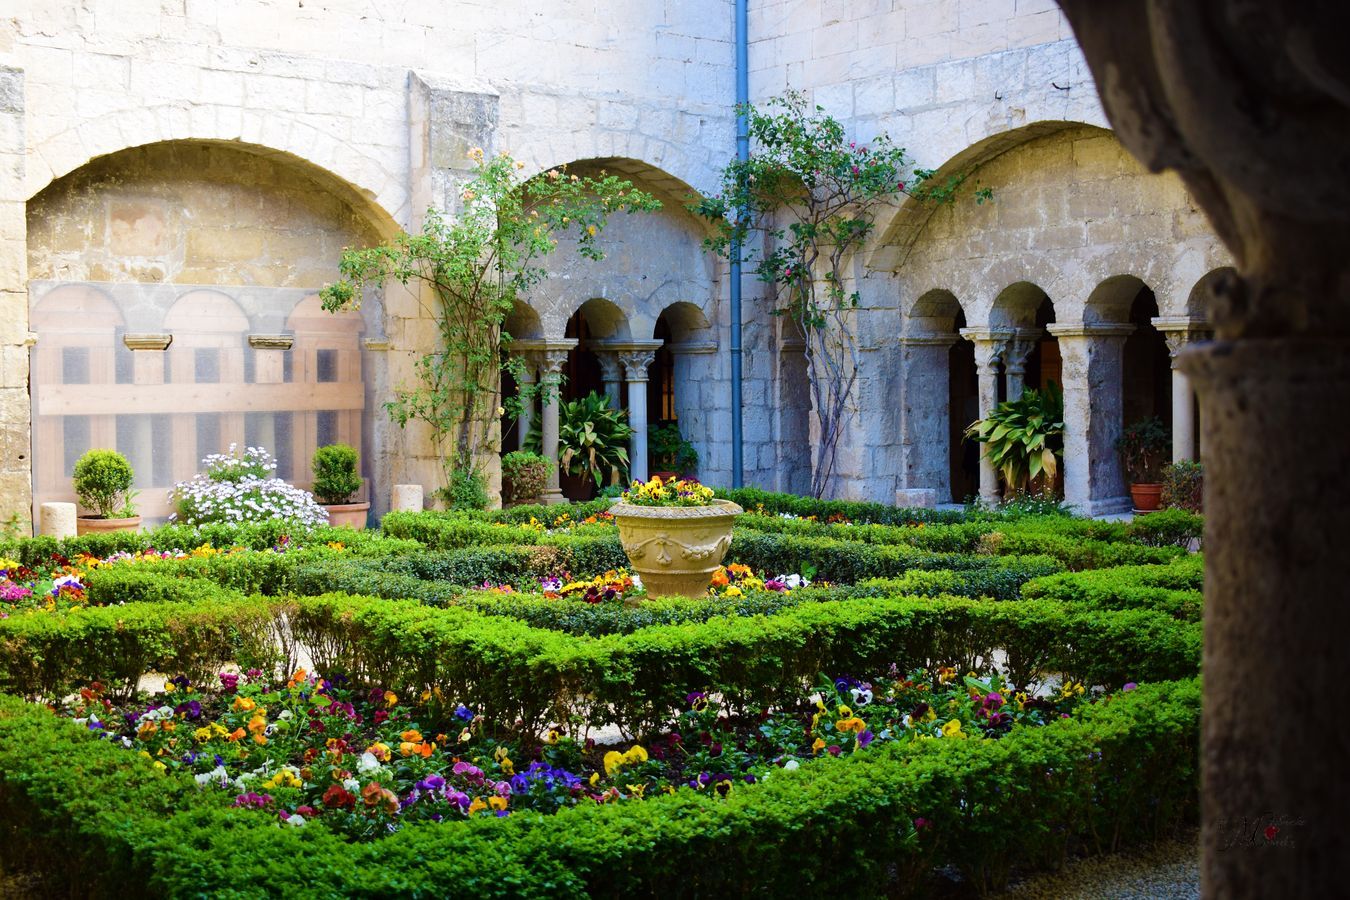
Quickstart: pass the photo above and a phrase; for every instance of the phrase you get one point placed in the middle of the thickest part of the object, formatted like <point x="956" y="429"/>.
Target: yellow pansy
<point x="953" y="729"/>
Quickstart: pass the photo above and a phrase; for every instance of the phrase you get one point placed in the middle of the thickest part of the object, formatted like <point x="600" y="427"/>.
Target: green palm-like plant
<point x="592" y="438"/>
<point x="1022" y="437"/>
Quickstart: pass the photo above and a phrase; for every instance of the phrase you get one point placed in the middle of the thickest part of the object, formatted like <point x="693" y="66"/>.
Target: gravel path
<point x="1160" y="872"/>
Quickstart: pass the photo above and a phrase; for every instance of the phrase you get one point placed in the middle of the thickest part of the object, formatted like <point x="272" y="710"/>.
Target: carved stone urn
<point x="676" y="549"/>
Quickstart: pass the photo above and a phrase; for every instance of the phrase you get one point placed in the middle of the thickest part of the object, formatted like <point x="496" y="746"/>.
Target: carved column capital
<point x="610" y="367"/>
<point x="1019" y="347"/>
<point x="990" y="345"/>
<point x="635" y="363"/>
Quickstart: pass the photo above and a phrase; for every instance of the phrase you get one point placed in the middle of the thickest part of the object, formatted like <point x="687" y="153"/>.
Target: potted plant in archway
<point x="592" y="444"/>
<point x="1024" y="438"/>
<point x="1143" y="449"/>
<point x="103" y="481"/>
<point x="672" y="455"/>
<point x="675" y="534"/>
<point x="336" y="483"/>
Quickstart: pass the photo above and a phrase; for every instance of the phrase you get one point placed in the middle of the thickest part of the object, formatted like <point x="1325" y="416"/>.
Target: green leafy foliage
<point x="103" y="480"/>
<point x="670" y="451"/>
<point x="1023" y="438"/>
<point x="469" y="273"/>
<point x="1143" y="448"/>
<point x="335" y="478"/>
<point x="592" y="438"/>
<point x="1184" y="486"/>
<point x="812" y="196"/>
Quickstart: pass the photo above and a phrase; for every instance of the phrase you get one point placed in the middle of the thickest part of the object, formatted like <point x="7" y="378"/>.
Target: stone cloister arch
<point x="213" y="254"/>
<point x="599" y="320"/>
<point x="1072" y="218"/>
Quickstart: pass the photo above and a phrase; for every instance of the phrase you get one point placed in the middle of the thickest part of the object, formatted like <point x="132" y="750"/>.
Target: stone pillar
<point x="57" y="520"/>
<point x="989" y="348"/>
<point x="406" y="498"/>
<point x="529" y="403"/>
<point x="1272" y="387"/>
<point x="1179" y="331"/>
<point x="611" y="373"/>
<point x="1015" y="356"/>
<point x="926" y="414"/>
<point x="551" y="362"/>
<point x="1092" y="378"/>
<point x="635" y="363"/>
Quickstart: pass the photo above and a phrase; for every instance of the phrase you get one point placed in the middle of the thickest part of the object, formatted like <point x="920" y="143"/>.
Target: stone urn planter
<point x="93" y="525"/>
<point x="347" y="515"/>
<point x="676" y="549"/>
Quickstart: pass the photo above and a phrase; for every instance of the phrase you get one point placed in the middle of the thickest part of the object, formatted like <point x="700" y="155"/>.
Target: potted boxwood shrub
<point x="524" y="476"/>
<point x="1143" y="449"/>
<point x="336" y="483"/>
<point x="103" y="481"/>
<point x="672" y="455"/>
<point x="675" y="534"/>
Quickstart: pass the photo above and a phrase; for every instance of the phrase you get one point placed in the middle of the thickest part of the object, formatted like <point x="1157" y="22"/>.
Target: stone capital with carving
<point x="611" y="370"/>
<point x="990" y="345"/>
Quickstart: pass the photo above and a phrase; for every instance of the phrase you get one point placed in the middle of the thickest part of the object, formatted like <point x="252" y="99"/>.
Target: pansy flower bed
<point x="366" y="762"/>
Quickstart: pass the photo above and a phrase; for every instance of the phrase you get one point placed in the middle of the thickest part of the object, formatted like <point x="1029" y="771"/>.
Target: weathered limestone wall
<point x="14" y="334"/>
<point x="191" y="214"/>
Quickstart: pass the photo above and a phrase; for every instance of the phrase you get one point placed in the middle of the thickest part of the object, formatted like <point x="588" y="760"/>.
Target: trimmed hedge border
<point x="97" y="822"/>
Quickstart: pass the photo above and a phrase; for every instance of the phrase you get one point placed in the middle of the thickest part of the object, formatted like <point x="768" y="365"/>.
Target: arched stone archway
<point x="214" y="254"/>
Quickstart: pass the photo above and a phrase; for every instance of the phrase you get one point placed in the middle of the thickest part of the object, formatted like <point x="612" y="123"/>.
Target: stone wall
<point x="381" y="105"/>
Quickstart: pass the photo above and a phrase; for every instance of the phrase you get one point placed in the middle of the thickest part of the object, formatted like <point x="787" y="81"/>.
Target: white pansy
<point x="352" y="785"/>
<point x="791" y="764"/>
<point x="368" y="762"/>
<point x="296" y="820"/>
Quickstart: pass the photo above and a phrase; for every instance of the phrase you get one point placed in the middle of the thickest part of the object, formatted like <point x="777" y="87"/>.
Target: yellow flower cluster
<point x="614" y="760"/>
<point x="671" y="492"/>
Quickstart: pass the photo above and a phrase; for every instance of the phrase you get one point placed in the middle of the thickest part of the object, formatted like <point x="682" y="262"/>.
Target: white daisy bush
<point x="234" y="488"/>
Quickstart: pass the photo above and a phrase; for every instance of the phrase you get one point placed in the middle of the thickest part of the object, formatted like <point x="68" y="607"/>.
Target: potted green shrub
<point x="1024" y="438"/>
<point x="675" y="534"/>
<point x="1143" y="449"/>
<point x="672" y="456"/>
<point x="103" y="480"/>
<point x="336" y="483"/>
<point x="524" y="476"/>
<point x="592" y="443"/>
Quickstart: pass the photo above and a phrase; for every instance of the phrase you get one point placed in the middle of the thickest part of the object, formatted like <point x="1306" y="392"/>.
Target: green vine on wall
<point x="474" y="268"/>
<point x="812" y="197"/>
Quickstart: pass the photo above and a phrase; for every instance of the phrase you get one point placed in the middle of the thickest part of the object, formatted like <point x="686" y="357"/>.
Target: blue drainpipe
<point x="743" y="154"/>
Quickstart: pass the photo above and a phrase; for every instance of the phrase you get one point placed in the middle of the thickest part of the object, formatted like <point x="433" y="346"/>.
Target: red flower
<point x="338" y="797"/>
<point x="1271" y="831"/>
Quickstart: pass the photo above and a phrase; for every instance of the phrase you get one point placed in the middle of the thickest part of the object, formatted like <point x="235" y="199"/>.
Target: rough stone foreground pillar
<point x="635" y="364"/>
<point x="1277" y="613"/>
<point x="551" y="362"/>
<point x="1092" y="374"/>
<point x="57" y="520"/>
<point x="989" y="346"/>
<point x="1249" y="104"/>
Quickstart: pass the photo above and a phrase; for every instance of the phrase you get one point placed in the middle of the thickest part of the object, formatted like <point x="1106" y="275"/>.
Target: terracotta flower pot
<point x="348" y="515"/>
<point x="1146" y="497"/>
<point x="676" y="549"/>
<point x="84" y="525"/>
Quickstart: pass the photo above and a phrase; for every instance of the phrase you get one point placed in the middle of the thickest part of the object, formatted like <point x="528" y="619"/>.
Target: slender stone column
<point x="1015" y="356"/>
<point x="989" y="348"/>
<point x="1179" y="331"/>
<point x="635" y="363"/>
<point x="1092" y="375"/>
<point x="528" y="379"/>
<point x="551" y="361"/>
<point x="611" y="373"/>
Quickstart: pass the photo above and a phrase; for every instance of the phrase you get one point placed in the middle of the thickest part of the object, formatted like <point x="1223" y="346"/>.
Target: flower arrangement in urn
<point x="675" y="533"/>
